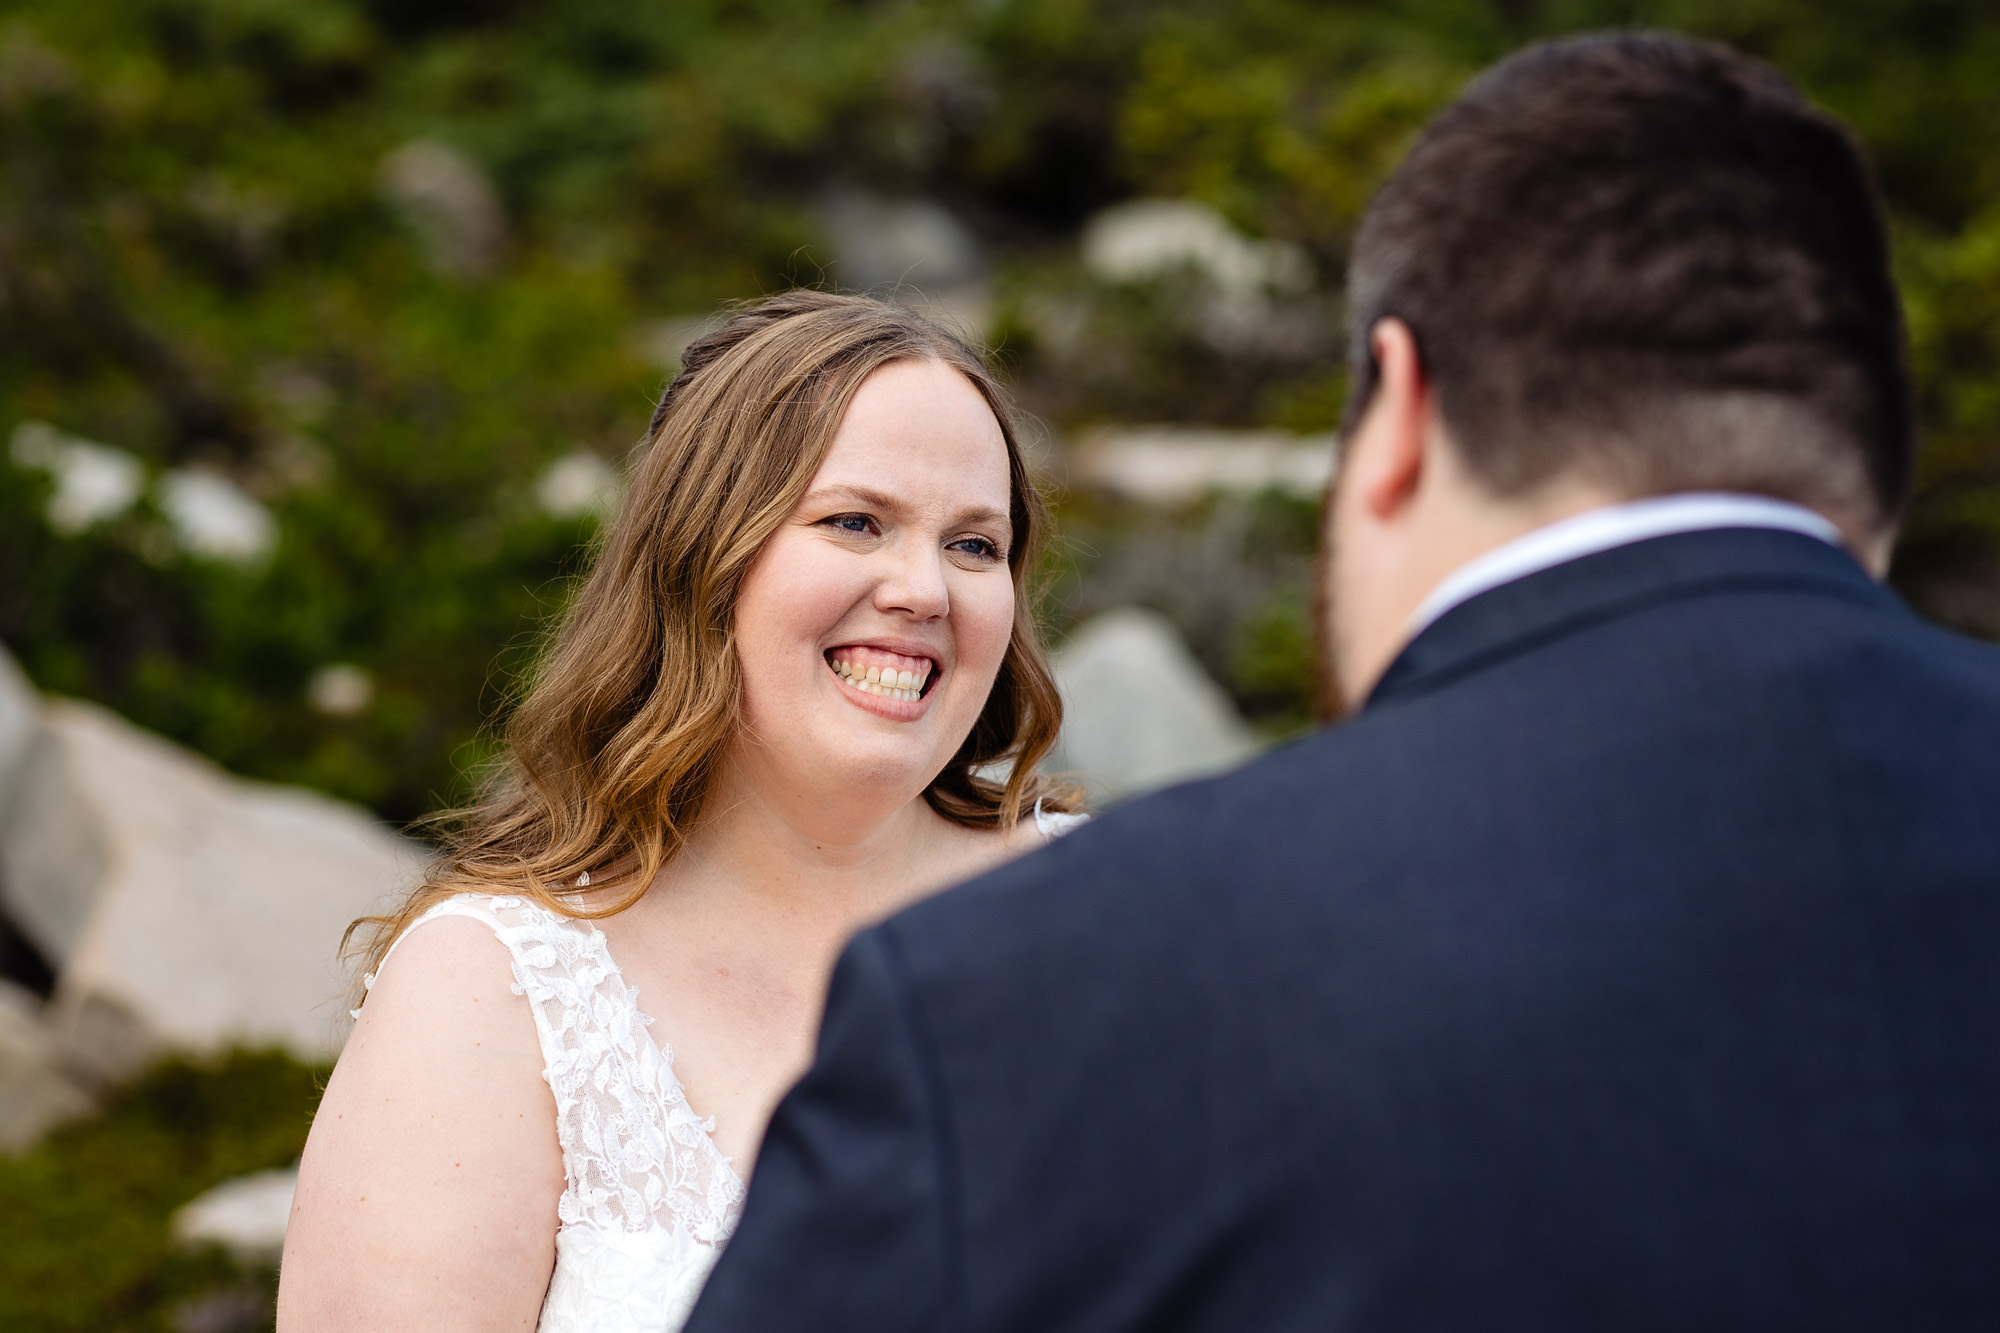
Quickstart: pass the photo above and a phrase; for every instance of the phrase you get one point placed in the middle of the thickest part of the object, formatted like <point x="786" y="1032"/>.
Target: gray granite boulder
<point x="245" y="1215"/>
<point x="451" y="203"/>
<point x="35" y="1093"/>
<point x="182" y="909"/>
<point x="1139" y="713"/>
<point x="19" y="707"/>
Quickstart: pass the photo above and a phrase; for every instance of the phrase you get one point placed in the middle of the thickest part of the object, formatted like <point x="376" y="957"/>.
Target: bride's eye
<point x="855" y="523"/>
<point x="980" y="547"/>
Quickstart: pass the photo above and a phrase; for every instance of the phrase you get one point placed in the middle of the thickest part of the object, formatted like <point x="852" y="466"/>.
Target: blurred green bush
<point x="382" y="267"/>
<point x="85" y="1245"/>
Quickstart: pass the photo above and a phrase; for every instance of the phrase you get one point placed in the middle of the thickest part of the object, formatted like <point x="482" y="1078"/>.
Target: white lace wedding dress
<point x="648" y="1200"/>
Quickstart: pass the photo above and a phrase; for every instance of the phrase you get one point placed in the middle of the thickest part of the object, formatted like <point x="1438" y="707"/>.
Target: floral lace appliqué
<point x="649" y="1200"/>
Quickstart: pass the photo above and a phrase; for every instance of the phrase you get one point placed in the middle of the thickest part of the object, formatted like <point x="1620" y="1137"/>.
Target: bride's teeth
<point x="889" y="682"/>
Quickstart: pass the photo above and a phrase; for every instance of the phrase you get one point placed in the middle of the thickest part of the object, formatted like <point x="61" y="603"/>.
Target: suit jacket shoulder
<point x="1633" y="959"/>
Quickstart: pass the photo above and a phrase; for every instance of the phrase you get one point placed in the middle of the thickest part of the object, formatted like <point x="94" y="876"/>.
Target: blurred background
<point x="326" y="327"/>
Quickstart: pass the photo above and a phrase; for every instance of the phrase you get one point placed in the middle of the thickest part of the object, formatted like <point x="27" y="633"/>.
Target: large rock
<point x="1142" y="239"/>
<point x="35" y="1092"/>
<point x="886" y="243"/>
<point x="909" y="250"/>
<point x="449" y="200"/>
<point x="246" y="1216"/>
<point x="1173" y="465"/>
<point x="1138" y="712"/>
<point x="183" y="909"/>
<point x="18" y="707"/>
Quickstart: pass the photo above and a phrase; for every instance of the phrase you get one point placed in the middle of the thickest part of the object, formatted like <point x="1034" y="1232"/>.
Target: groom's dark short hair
<point x="1646" y="259"/>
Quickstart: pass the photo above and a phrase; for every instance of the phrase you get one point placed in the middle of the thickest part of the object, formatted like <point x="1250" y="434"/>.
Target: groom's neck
<point x="1379" y="568"/>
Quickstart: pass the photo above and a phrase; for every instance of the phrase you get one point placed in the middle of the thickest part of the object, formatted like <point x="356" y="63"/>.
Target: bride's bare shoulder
<point x="441" y="1039"/>
<point x="442" y="1023"/>
<point x="435" y="1124"/>
<point x="437" y="963"/>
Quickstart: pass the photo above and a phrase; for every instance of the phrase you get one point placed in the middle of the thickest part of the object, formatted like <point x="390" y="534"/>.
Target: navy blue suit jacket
<point x="1632" y="961"/>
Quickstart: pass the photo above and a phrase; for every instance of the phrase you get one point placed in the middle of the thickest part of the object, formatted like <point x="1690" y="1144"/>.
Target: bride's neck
<point x="851" y="854"/>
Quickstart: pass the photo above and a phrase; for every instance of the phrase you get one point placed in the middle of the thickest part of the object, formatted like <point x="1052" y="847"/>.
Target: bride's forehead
<point x="932" y="446"/>
<point x="931" y="474"/>
<point x="925" y="396"/>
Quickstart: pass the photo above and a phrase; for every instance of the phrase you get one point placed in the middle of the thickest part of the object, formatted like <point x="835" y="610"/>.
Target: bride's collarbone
<point x="735" y="1022"/>
<point x="732" y="981"/>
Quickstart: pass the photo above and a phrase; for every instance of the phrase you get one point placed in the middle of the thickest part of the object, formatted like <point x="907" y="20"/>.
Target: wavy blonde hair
<point x="614" y="746"/>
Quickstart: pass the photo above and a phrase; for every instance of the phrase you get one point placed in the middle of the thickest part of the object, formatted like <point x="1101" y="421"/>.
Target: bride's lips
<point x="889" y="681"/>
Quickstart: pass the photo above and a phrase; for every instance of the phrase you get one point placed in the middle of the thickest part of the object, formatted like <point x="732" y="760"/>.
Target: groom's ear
<point x="1367" y="540"/>
<point x="1383" y="460"/>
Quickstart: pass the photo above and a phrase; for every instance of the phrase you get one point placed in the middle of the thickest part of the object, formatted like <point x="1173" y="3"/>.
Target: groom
<point x="1629" y="959"/>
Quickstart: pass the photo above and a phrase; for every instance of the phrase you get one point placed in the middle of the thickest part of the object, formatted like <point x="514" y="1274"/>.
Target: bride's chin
<point x="857" y="779"/>
<point x="851" y="764"/>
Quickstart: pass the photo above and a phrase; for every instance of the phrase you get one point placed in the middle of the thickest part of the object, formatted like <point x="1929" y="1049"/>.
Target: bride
<point x="763" y="723"/>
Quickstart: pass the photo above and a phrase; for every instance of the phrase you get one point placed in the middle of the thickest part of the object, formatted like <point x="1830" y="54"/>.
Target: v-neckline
<point x="666" y="1056"/>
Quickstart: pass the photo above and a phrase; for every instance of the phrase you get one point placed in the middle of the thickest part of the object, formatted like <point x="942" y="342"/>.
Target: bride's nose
<point x="912" y="582"/>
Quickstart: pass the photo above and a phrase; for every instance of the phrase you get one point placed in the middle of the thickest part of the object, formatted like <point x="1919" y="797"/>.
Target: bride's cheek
<point x="996" y="627"/>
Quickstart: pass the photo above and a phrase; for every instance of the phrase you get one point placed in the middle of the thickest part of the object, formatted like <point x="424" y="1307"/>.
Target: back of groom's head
<point x="1644" y="259"/>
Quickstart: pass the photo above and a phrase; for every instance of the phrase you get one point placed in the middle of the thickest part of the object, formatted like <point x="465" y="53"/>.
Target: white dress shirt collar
<point x="1614" y="525"/>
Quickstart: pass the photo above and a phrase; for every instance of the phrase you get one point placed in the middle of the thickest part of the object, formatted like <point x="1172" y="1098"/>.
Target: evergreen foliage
<point x="204" y="262"/>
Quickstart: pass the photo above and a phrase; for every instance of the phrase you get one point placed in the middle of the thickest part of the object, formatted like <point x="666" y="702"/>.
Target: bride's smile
<point x="883" y="673"/>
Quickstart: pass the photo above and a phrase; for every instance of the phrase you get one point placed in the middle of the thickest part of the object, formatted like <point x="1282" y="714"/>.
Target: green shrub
<point x="84" y="1241"/>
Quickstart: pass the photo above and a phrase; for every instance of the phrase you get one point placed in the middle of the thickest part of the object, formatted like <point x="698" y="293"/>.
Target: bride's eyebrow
<point x="868" y="498"/>
<point x="857" y="495"/>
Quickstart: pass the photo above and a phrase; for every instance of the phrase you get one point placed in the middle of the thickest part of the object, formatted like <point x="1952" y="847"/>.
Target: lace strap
<point x="1052" y="824"/>
<point x="544" y="951"/>
<point x="478" y="906"/>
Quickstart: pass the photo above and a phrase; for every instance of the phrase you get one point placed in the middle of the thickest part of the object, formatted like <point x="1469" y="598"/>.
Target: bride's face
<point x="871" y="626"/>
